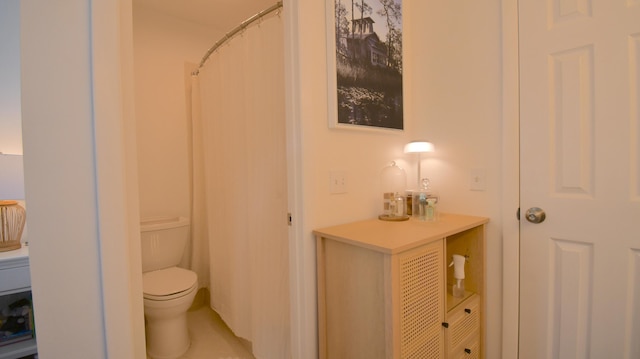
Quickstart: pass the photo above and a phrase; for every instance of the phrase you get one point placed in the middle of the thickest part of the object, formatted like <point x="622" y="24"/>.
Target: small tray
<point x="386" y="217"/>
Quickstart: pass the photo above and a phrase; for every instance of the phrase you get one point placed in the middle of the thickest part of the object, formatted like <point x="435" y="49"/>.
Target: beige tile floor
<point x="211" y="338"/>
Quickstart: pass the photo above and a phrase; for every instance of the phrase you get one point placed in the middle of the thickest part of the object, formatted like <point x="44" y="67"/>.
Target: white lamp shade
<point x="419" y="147"/>
<point x="11" y="177"/>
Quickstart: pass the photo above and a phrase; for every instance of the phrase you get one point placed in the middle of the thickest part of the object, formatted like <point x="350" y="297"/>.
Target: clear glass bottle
<point x="401" y="208"/>
<point x="393" y="180"/>
<point x="424" y="203"/>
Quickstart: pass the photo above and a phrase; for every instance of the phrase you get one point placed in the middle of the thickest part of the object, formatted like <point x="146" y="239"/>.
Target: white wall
<point x="163" y="46"/>
<point x="459" y="96"/>
<point x="453" y="98"/>
<point x="79" y="150"/>
<point x="10" y="121"/>
<point x="60" y="178"/>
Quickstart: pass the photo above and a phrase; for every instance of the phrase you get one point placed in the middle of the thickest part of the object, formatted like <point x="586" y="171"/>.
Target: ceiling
<point x="223" y="15"/>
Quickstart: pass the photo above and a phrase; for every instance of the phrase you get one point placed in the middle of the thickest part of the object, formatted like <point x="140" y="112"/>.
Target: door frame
<point x="303" y="333"/>
<point x="510" y="180"/>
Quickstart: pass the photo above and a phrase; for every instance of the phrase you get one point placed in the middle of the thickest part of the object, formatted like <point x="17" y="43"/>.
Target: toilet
<point x="168" y="290"/>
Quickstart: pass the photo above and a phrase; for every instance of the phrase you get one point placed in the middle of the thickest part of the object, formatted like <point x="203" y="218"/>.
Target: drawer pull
<point x="445" y="324"/>
<point x="467" y="350"/>
<point x="467" y="310"/>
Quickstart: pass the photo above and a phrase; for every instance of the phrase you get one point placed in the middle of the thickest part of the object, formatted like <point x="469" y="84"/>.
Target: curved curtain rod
<point x="237" y="29"/>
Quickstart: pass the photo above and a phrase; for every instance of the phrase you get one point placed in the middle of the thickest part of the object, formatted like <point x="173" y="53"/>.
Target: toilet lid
<point x="168" y="281"/>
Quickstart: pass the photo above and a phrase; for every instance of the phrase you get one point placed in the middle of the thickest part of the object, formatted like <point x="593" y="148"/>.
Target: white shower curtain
<point x="199" y="244"/>
<point x="243" y="185"/>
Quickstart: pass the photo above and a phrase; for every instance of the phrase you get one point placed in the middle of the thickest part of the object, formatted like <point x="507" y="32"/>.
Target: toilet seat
<point x="168" y="283"/>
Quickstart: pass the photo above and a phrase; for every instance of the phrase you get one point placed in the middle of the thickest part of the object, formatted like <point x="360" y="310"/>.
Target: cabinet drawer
<point x="464" y="323"/>
<point x="469" y="350"/>
<point x="14" y="279"/>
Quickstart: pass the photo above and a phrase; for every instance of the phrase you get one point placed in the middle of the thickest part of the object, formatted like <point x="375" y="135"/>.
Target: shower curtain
<point x="240" y="194"/>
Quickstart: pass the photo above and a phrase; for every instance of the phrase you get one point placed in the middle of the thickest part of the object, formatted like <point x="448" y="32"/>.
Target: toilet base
<point x="166" y="317"/>
<point x="167" y="338"/>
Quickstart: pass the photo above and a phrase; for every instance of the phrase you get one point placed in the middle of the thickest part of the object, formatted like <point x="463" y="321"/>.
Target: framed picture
<point x="364" y="46"/>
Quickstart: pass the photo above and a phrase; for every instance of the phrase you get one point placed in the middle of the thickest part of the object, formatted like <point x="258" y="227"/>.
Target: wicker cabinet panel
<point x="422" y="302"/>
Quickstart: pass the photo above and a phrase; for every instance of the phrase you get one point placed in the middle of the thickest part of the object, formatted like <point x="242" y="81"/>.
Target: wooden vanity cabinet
<point x="384" y="289"/>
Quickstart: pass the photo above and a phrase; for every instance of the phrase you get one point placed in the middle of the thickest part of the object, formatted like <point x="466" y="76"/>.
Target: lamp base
<point x="10" y="246"/>
<point x="12" y="220"/>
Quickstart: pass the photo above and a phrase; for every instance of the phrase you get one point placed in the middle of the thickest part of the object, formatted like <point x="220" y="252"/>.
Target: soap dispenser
<point x="458" y="273"/>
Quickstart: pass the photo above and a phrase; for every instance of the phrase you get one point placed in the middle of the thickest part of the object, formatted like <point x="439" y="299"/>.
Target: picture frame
<point x="364" y="64"/>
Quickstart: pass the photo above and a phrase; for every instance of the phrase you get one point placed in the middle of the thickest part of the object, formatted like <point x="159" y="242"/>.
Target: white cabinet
<point x="384" y="289"/>
<point x="14" y="280"/>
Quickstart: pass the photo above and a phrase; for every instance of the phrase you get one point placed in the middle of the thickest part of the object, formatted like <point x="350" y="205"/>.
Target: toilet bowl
<point x="168" y="290"/>
<point x="168" y="294"/>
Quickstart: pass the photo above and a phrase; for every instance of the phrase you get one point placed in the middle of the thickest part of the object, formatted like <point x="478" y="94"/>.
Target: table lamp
<point x="12" y="214"/>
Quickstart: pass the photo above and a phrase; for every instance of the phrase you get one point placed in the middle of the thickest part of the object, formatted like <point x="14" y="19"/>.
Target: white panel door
<point x="580" y="163"/>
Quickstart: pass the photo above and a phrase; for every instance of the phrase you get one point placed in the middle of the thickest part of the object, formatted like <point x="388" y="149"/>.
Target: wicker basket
<point x="12" y="219"/>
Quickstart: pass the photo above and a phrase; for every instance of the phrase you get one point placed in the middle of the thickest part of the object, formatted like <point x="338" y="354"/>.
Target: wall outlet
<point x="337" y="182"/>
<point x="477" y="179"/>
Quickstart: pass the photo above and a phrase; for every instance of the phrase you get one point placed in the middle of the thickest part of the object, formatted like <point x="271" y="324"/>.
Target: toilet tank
<point x="163" y="240"/>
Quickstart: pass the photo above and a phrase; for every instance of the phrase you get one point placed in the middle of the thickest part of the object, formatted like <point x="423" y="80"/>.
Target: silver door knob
<point x="535" y="215"/>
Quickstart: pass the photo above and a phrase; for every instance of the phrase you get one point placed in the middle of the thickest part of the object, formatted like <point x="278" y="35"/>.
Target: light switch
<point x="338" y="182"/>
<point x="477" y="179"/>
